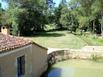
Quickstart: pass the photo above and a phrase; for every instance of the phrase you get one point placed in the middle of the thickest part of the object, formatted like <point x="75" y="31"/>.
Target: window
<point x="21" y="66"/>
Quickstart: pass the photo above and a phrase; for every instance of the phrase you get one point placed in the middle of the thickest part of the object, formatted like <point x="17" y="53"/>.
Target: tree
<point x="97" y="8"/>
<point x="1" y="15"/>
<point x="57" y="13"/>
<point x="84" y="14"/>
<point x="10" y="17"/>
<point x="68" y="19"/>
<point x="28" y="16"/>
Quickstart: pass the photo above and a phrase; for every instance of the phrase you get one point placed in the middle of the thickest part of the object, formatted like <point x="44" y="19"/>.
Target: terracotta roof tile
<point x="8" y="42"/>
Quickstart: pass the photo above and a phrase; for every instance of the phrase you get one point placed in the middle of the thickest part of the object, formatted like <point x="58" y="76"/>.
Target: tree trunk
<point x="102" y="27"/>
<point x="94" y="26"/>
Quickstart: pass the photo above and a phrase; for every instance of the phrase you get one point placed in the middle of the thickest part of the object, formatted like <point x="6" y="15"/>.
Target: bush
<point x="96" y="57"/>
<point x="50" y="27"/>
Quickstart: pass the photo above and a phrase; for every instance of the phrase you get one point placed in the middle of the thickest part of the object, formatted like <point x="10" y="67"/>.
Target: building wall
<point x="39" y="60"/>
<point x="35" y="60"/>
<point x="8" y="62"/>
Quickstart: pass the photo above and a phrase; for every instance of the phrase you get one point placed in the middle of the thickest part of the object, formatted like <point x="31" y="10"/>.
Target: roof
<point x="8" y="42"/>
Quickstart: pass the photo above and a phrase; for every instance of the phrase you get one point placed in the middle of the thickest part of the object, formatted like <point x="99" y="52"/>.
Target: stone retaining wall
<point x="60" y="55"/>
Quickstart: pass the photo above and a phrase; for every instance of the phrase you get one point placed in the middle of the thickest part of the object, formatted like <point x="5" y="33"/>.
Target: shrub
<point x="96" y="57"/>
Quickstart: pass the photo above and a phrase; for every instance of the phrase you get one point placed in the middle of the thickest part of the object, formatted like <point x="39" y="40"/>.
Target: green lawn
<point x="58" y="39"/>
<point x="77" y="68"/>
<point x="64" y="39"/>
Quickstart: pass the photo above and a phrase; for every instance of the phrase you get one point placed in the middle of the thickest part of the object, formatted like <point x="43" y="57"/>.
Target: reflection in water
<point x="61" y="72"/>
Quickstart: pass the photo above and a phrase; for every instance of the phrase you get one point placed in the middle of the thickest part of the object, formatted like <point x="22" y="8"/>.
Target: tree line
<point x="82" y="15"/>
<point x="30" y="16"/>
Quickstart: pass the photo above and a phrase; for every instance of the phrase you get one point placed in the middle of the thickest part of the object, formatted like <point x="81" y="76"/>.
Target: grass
<point x="77" y="68"/>
<point x="64" y="39"/>
<point x="58" y="39"/>
<point x="91" y="39"/>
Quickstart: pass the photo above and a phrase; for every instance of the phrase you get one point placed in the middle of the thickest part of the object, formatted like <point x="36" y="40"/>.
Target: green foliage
<point x="83" y="22"/>
<point x="65" y="17"/>
<point x="91" y="39"/>
<point x="49" y="27"/>
<point x="68" y="19"/>
<point x="97" y="6"/>
<point x="88" y="13"/>
<point x="11" y="16"/>
<point x="57" y="13"/>
<point x="96" y="57"/>
<point x="30" y="16"/>
<point x="1" y="14"/>
<point x="26" y="16"/>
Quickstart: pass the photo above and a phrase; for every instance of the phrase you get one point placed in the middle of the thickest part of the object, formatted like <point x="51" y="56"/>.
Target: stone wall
<point x="61" y="55"/>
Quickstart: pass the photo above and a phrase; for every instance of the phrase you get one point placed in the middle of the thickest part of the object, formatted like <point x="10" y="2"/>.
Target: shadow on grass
<point x="48" y="34"/>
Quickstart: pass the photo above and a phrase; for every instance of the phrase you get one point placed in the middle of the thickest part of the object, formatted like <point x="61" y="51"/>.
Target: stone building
<point x="21" y="58"/>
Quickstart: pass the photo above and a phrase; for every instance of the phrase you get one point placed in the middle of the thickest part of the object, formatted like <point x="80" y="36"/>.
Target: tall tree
<point x="84" y="13"/>
<point x="31" y="17"/>
<point x="1" y="14"/>
<point x="97" y="8"/>
<point x="58" y="12"/>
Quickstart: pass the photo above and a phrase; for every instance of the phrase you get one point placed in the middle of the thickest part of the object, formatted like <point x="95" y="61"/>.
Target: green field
<point x="58" y="39"/>
<point x="77" y="68"/>
<point x="63" y="39"/>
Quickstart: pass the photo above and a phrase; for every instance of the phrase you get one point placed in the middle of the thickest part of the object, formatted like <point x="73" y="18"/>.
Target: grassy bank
<point x="92" y="39"/>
